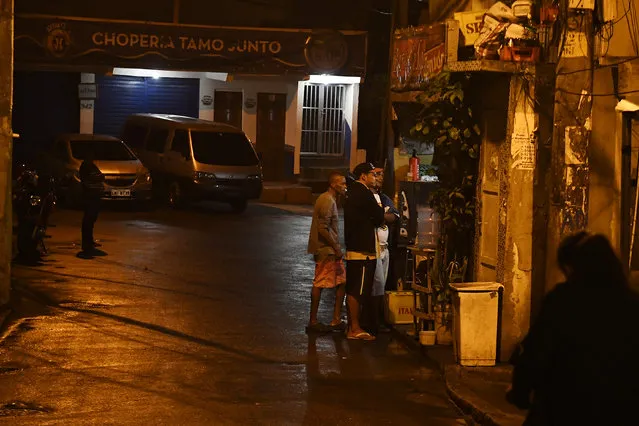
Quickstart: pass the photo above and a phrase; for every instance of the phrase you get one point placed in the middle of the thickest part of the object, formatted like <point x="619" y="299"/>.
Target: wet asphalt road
<point x="196" y="317"/>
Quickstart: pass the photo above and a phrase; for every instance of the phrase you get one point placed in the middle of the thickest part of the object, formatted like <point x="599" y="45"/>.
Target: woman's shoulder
<point x="562" y="291"/>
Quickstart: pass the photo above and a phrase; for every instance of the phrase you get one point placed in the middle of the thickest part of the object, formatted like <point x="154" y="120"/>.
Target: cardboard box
<point x="398" y="307"/>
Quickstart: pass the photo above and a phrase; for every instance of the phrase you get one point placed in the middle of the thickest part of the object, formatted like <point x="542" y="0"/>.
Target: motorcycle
<point x="34" y="201"/>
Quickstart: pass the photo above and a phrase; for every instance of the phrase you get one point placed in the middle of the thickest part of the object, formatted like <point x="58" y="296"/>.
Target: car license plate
<point x="120" y="192"/>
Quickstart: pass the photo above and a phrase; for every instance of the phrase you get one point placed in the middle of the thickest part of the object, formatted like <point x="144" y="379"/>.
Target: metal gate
<point x="323" y="120"/>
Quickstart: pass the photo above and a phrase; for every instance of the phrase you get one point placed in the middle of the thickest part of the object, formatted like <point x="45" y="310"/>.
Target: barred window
<point x="323" y="121"/>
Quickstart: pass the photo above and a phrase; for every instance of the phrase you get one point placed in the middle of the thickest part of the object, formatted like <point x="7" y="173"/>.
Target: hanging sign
<point x="74" y="42"/>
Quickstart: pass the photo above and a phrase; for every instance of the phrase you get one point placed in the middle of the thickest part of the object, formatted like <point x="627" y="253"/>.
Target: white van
<point x="192" y="159"/>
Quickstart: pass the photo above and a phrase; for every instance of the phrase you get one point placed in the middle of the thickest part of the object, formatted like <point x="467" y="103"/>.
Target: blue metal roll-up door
<point x="178" y="96"/>
<point x="118" y="97"/>
<point x="121" y="96"/>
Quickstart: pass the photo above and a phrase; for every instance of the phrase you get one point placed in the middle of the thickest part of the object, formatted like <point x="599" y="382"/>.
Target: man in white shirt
<point x="374" y="310"/>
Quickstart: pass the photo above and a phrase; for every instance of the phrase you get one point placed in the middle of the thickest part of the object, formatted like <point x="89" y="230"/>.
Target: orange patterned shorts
<point x="329" y="272"/>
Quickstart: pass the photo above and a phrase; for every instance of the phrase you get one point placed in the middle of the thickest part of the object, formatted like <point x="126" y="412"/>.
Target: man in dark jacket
<point x="92" y="181"/>
<point x="362" y="216"/>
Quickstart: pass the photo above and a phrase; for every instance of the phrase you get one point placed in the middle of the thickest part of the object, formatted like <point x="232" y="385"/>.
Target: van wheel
<point x="239" y="205"/>
<point x="174" y="195"/>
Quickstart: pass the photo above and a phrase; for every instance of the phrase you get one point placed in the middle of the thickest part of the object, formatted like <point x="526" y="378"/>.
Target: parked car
<point x="193" y="160"/>
<point x="126" y="179"/>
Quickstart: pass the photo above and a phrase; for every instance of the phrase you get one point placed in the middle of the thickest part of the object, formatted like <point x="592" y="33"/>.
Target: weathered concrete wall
<point x="506" y="196"/>
<point x="6" y="100"/>
<point x="490" y="106"/>
<point x="605" y="162"/>
<point x="515" y="260"/>
<point x="620" y="44"/>
<point x="544" y="102"/>
<point x="570" y="170"/>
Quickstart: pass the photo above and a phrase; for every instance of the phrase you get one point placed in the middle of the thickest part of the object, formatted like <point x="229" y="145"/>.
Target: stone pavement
<point x="175" y="327"/>
<point x="478" y="391"/>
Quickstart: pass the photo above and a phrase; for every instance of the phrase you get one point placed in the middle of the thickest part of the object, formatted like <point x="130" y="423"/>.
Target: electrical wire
<point x="635" y="26"/>
<point x="625" y="14"/>
<point x="564" y="22"/>
<point x="599" y="67"/>
<point x="631" y="20"/>
<point x="629" y="92"/>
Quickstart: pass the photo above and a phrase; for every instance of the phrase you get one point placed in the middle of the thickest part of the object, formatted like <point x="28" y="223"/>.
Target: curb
<point x="469" y="406"/>
<point x="478" y="413"/>
<point x="5" y="311"/>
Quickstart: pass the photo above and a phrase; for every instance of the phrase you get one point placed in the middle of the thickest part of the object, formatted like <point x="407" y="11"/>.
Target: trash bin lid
<point x="476" y="287"/>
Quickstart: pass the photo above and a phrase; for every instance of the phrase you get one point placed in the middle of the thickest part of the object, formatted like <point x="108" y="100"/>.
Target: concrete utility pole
<point x="570" y="170"/>
<point x="6" y="138"/>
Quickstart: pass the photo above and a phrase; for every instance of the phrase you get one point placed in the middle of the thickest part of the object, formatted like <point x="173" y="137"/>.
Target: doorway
<point x="228" y="108"/>
<point x="271" y="134"/>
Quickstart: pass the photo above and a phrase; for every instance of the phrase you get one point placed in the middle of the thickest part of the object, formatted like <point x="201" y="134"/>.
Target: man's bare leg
<point x="353" y="320"/>
<point x="340" y="291"/>
<point x="316" y="294"/>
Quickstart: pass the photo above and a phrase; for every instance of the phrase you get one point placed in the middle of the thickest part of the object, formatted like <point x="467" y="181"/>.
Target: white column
<point x="87" y="106"/>
<point x="294" y="122"/>
<point x="249" y="114"/>
<point x="351" y="112"/>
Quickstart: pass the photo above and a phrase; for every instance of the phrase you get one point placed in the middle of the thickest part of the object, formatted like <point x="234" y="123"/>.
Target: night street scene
<point x="284" y="212"/>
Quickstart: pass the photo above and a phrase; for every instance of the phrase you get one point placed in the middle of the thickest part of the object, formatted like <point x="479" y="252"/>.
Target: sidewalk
<point x="479" y="392"/>
<point x="286" y="193"/>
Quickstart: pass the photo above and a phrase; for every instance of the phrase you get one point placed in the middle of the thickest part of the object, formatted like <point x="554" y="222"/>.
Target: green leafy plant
<point x="447" y="122"/>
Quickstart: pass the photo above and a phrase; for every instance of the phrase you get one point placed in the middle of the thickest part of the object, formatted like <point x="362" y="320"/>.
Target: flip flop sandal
<point x="360" y="336"/>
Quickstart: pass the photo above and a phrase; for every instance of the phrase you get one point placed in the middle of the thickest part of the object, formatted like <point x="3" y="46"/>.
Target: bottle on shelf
<point x="414" y="167"/>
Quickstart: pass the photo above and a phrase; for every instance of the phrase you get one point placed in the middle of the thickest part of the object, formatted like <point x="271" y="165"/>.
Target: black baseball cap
<point x="379" y="165"/>
<point x="362" y="169"/>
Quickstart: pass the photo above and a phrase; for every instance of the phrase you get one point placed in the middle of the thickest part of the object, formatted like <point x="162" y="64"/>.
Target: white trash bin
<point x="475" y="310"/>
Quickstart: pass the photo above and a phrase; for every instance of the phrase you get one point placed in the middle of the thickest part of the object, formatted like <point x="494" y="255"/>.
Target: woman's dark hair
<point x="591" y="260"/>
<point x="568" y="249"/>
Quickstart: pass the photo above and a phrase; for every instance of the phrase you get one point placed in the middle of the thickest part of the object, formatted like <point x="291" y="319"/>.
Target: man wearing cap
<point x="362" y="216"/>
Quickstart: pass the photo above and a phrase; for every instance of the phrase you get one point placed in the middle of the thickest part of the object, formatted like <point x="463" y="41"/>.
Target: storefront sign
<point x="87" y="104"/>
<point x="417" y="57"/>
<point x="87" y="91"/>
<point x="43" y="41"/>
<point x="327" y="50"/>
<point x="207" y="100"/>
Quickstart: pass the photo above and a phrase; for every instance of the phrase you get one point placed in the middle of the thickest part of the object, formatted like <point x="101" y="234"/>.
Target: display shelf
<point x="486" y="65"/>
